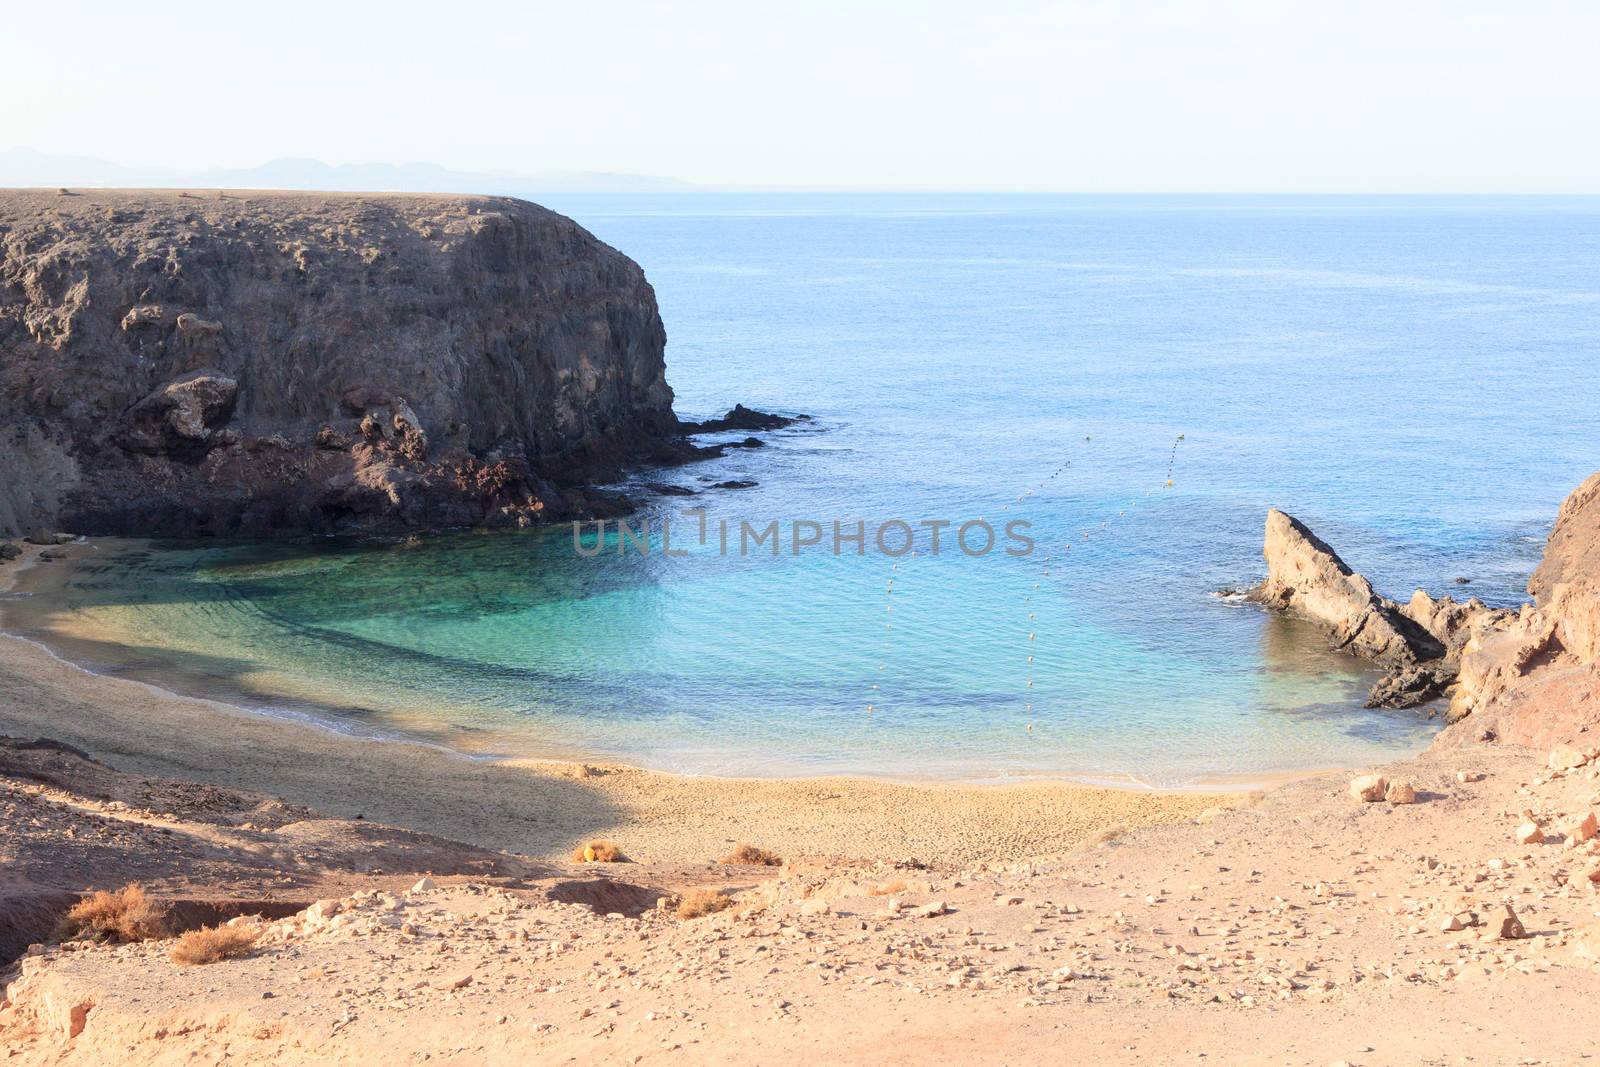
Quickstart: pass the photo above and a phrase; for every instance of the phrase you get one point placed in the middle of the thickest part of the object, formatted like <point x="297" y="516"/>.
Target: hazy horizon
<point x="24" y="167"/>
<point x="1190" y="96"/>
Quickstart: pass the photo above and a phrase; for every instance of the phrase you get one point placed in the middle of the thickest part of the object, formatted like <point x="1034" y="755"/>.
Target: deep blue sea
<point x="1413" y="377"/>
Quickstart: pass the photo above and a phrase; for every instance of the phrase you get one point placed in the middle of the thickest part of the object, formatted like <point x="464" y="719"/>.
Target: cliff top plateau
<point x="216" y="363"/>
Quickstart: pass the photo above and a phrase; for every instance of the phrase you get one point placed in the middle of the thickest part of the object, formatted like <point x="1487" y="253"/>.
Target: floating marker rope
<point x="1084" y="535"/>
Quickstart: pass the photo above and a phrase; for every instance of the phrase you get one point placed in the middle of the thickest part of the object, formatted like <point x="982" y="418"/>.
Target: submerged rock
<point x="1408" y="687"/>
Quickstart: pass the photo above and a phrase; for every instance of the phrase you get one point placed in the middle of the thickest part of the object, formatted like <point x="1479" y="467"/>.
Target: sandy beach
<point x="392" y="895"/>
<point x="384" y="896"/>
<point x="542" y="808"/>
<point x="1288" y="931"/>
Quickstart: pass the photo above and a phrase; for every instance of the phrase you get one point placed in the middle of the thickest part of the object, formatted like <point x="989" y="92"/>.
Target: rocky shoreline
<point x="1528" y="676"/>
<point x="258" y="364"/>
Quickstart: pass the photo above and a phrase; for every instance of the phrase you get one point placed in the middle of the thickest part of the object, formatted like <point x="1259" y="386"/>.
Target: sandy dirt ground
<point x="1309" y="927"/>
<point x="910" y="924"/>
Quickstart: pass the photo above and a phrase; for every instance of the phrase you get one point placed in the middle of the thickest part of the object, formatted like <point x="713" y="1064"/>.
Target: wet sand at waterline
<point x="545" y="807"/>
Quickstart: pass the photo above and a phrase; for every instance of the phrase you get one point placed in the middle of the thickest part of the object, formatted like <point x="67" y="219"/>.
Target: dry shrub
<point x="885" y="889"/>
<point x="598" y="852"/>
<point x="212" y="943"/>
<point x="1108" y="835"/>
<point x="127" y="914"/>
<point x="698" y="902"/>
<point x="752" y="856"/>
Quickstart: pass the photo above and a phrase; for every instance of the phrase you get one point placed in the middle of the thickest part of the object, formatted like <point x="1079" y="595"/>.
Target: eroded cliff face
<point x="258" y="362"/>
<point x="1528" y="677"/>
<point x="1533" y="678"/>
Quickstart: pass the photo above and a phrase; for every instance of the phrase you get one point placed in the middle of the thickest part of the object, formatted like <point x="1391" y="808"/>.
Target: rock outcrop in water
<point x="1529" y="676"/>
<point x="259" y="362"/>
<point x="1420" y="643"/>
<point x="746" y="419"/>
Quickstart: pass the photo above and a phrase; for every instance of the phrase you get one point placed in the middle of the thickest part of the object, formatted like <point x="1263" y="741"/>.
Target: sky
<point x="1131" y="96"/>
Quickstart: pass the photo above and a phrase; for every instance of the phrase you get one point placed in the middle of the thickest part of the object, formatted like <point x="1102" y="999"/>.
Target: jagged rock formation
<point x="1566" y="586"/>
<point x="1529" y="676"/>
<point x="1418" y="643"/>
<point x="1307" y="577"/>
<point x="740" y="417"/>
<point x="1533" y="677"/>
<point x="207" y="364"/>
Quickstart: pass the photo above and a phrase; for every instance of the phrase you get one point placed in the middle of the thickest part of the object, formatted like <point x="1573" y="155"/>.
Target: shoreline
<point x="322" y="716"/>
<point x="545" y="807"/>
<point x="1208" y="785"/>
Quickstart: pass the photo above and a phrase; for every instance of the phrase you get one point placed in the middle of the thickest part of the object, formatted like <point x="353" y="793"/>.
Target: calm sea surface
<point x="1415" y="378"/>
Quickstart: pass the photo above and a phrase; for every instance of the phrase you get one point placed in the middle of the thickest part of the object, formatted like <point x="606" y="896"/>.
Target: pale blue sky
<point x="1230" y="95"/>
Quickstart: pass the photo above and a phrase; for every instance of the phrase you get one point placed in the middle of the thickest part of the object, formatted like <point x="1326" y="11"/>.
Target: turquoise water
<point x="1412" y="377"/>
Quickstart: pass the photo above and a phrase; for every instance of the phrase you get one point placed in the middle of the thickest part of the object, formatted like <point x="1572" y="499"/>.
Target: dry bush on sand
<point x="698" y="902"/>
<point x="752" y="856"/>
<point x="212" y="943"/>
<point x="598" y="852"/>
<point x="123" y="916"/>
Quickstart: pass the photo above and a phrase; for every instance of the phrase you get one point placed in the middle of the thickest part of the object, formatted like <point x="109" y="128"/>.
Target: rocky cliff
<point x="1529" y="676"/>
<point x="214" y="364"/>
<point x="1533" y="678"/>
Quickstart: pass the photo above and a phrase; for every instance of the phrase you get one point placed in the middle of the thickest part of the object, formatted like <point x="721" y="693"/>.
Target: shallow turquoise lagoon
<point x="1412" y="377"/>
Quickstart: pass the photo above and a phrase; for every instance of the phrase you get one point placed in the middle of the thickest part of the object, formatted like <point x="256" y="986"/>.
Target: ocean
<point x="1138" y="379"/>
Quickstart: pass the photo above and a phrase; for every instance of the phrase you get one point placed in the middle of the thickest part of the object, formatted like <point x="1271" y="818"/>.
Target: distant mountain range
<point x="26" y="167"/>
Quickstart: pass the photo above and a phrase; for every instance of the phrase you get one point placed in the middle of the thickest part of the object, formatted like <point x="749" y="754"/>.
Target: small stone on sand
<point x="1566" y="758"/>
<point x="1369" y="788"/>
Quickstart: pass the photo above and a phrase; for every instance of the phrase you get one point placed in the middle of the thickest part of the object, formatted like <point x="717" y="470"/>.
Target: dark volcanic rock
<point x="266" y="362"/>
<point x="743" y="418"/>
<point x="1408" y="687"/>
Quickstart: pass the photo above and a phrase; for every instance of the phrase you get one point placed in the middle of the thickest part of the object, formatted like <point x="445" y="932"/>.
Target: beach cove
<point x="544" y="807"/>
